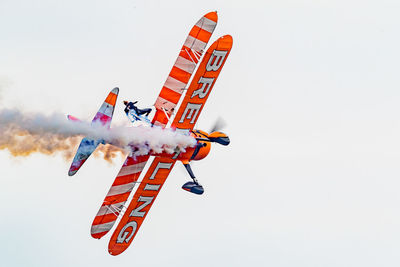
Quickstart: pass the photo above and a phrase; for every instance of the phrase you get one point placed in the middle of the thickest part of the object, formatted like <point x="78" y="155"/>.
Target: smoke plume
<point x="23" y="134"/>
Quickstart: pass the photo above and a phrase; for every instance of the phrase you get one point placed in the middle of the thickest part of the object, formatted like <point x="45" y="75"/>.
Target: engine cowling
<point x="203" y="146"/>
<point x="204" y="149"/>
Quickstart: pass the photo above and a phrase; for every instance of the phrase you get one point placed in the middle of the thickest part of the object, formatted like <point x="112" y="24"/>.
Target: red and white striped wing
<point x="184" y="66"/>
<point x="117" y="195"/>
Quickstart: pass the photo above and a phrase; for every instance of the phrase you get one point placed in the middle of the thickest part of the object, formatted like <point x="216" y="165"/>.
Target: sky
<point x="310" y="97"/>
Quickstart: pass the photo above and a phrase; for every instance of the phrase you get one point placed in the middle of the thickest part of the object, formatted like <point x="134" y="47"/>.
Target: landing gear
<point x="193" y="187"/>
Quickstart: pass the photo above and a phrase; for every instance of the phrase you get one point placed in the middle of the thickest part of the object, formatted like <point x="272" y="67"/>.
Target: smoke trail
<point x="23" y="134"/>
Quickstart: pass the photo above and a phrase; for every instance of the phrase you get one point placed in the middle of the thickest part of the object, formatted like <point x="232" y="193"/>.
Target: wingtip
<point x="97" y="235"/>
<point x="71" y="173"/>
<point x="227" y="37"/>
<point x="114" y="250"/>
<point x="115" y="90"/>
<point x="212" y="16"/>
<point x="226" y="41"/>
<point x="112" y="253"/>
<point x="72" y="170"/>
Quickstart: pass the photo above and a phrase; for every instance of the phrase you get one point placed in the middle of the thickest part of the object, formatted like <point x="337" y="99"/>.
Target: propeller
<point x="215" y="135"/>
<point x="219" y="124"/>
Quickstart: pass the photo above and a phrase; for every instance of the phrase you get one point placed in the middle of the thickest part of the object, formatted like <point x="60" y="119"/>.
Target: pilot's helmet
<point x="125" y="102"/>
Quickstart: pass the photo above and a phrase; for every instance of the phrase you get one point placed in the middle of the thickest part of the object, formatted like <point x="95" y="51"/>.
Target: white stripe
<point x="174" y="84"/>
<point x="113" y="208"/>
<point x="185" y="64"/>
<point x="152" y="187"/>
<point x="157" y="123"/>
<point x="163" y="103"/>
<point x="195" y="44"/>
<point x="120" y="189"/>
<point x="106" y="109"/>
<point x="206" y="24"/>
<point x="135" y="168"/>
<point x="99" y="228"/>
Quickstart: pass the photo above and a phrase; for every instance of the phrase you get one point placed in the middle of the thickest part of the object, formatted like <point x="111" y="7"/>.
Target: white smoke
<point x="23" y="134"/>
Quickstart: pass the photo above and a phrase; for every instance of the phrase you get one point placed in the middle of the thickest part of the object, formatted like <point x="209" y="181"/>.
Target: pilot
<point x="131" y="105"/>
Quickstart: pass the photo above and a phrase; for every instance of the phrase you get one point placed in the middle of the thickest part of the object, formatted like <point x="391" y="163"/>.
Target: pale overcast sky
<point x="310" y="96"/>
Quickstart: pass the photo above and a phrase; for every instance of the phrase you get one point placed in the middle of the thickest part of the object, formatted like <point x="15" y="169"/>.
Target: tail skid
<point x="88" y="145"/>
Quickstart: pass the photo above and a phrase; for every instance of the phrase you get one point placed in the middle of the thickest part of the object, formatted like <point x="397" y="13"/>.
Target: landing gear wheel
<point x="193" y="187"/>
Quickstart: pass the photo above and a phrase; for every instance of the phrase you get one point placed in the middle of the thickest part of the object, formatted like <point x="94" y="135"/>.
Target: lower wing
<point x="117" y="195"/>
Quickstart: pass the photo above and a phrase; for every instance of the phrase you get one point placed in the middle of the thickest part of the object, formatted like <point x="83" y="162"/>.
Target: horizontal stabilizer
<point x="72" y="118"/>
<point x="86" y="148"/>
<point x="88" y="145"/>
<point x="106" y="111"/>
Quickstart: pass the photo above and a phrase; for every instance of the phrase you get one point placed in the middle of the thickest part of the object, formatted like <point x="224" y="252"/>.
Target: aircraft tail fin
<point x="88" y="145"/>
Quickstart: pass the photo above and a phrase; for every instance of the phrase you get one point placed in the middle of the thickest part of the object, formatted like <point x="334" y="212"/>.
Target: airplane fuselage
<point x="198" y="152"/>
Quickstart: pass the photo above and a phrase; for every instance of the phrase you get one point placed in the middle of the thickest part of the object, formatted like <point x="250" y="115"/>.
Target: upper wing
<point x="202" y="83"/>
<point x="140" y="205"/>
<point x="183" y="68"/>
<point x="117" y="195"/>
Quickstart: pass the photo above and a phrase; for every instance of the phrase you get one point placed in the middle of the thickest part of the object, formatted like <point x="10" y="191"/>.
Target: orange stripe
<point x="212" y="16"/>
<point x="116" y="198"/>
<point x="160" y="117"/>
<point x="200" y="34"/>
<point x="126" y="179"/>
<point x="111" y="99"/>
<point x="188" y="54"/>
<point x="104" y="219"/>
<point x="134" y="160"/>
<point x="170" y="95"/>
<point x="179" y="74"/>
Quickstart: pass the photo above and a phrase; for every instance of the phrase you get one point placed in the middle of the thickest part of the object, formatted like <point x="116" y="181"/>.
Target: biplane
<point x="191" y="58"/>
